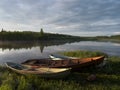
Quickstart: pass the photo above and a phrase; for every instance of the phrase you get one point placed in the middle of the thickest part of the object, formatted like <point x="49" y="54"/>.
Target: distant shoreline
<point x="29" y="36"/>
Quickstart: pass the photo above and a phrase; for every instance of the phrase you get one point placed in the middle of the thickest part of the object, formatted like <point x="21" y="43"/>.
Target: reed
<point x="83" y="54"/>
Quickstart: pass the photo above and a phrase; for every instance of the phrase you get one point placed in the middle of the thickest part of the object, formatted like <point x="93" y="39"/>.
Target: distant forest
<point x="43" y="36"/>
<point x="110" y="37"/>
<point x="32" y="36"/>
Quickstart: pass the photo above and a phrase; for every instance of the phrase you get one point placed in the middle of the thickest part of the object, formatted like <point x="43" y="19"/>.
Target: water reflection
<point x="28" y="45"/>
<point x="21" y="51"/>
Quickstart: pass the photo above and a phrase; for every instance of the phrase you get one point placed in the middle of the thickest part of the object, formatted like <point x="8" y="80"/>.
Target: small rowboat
<point x="74" y="64"/>
<point x="42" y="72"/>
<point x="61" y="57"/>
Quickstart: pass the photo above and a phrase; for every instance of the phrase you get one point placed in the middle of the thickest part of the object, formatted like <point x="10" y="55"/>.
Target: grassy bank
<point x="113" y="38"/>
<point x="108" y="77"/>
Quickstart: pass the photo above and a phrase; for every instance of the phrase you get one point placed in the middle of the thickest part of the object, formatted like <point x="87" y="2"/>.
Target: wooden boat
<point x="42" y="72"/>
<point x="75" y="64"/>
<point x="60" y="57"/>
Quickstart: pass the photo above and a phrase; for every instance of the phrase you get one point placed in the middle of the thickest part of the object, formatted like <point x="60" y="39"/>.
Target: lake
<point x="19" y="52"/>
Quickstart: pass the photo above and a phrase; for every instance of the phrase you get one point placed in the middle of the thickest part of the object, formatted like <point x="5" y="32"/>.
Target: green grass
<point x="83" y="54"/>
<point x="107" y="77"/>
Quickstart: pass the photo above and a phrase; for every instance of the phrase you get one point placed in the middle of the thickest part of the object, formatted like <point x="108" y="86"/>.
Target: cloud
<point x="62" y="16"/>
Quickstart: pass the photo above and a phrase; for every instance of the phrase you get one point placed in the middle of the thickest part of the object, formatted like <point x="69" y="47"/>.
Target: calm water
<point x="21" y="52"/>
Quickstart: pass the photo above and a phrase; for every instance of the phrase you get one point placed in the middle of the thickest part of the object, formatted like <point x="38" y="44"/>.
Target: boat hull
<point x="75" y="64"/>
<point x="42" y="72"/>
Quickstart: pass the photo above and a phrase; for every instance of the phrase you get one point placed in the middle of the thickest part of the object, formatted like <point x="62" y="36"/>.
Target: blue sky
<point x="74" y="17"/>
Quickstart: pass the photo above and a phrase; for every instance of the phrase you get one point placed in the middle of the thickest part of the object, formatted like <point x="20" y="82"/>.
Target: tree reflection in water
<point x="16" y="45"/>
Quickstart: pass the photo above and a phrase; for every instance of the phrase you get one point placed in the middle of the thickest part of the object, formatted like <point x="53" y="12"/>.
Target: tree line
<point x="29" y="36"/>
<point x="117" y="37"/>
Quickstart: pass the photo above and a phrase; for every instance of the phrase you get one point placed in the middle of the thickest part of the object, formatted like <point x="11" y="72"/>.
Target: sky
<point x="73" y="17"/>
